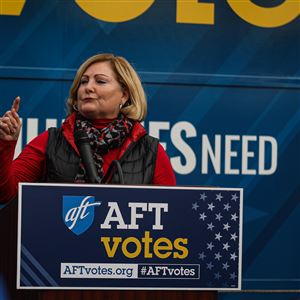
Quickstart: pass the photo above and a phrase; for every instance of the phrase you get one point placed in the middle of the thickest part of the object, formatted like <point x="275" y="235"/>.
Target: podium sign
<point x="129" y="237"/>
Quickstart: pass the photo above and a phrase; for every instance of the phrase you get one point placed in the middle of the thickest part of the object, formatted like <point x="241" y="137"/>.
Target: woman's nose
<point x="90" y="86"/>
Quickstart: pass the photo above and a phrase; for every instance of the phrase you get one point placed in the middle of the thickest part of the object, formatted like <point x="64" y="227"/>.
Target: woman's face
<point x="100" y="94"/>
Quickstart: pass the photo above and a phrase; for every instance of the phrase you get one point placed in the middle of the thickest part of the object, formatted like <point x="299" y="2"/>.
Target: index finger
<point x="16" y="104"/>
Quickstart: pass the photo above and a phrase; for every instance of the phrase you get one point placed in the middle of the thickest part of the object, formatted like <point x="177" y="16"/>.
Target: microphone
<point x="83" y="144"/>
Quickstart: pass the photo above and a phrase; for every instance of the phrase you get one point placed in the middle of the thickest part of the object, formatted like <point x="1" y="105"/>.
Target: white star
<point x="234" y="197"/>
<point x="219" y="197"/>
<point x="233" y="276"/>
<point x="233" y="256"/>
<point x="226" y="226"/>
<point x="227" y="206"/>
<point x="234" y="217"/>
<point x="234" y="236"/>
<point x="210" y="226"/>
<point x="202" y="216"/>
<point x="225" y="266"/>
<point x="218" y="256"/>
<point x="209" y="266"/>
<point x="210" y="246"/>
<point x="195" y="206"/>
<point x="201" y="256"/>
<point x="203" y="196"/>
<point x="226" y="246"/>
<point x="219" y="216"/>
<point x="217" y="275"/>
<point x="211" y="206"/>
<point x="218" y="236"/>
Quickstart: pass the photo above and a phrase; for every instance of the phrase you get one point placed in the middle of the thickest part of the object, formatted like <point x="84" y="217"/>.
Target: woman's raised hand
<point x="10" y="123"/>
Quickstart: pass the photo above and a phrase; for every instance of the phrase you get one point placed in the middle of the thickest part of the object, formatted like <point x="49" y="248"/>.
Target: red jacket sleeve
<point x="27" y="167"/>
<point x="163" y="172"/>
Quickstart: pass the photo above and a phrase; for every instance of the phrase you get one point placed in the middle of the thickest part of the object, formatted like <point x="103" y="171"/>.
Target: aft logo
<point x="78" y="212"/>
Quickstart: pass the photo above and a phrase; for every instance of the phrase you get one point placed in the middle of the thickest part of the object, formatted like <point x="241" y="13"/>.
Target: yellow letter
<point x="266" y="16"/>
<point x="115" y="11"/>
<point x="193" y="12"/>
<point x="137" y="250"/>
<point x="147" y="240"/>
<point x="11" y="7"/>
<point x="179" y="247"/>
<point x="157" y="247"/>
<point x="111" y="251"/>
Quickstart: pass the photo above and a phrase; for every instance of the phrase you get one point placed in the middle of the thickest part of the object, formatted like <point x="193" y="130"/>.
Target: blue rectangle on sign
<point x="108" y="237"/>
<point x="168" y="271"/>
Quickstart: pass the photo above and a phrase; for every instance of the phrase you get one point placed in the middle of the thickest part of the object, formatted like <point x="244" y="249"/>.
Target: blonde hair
<point x="136" y="106"/>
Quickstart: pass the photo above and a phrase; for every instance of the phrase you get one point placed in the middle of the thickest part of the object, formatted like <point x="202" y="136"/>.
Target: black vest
<point x="136" y="166"/>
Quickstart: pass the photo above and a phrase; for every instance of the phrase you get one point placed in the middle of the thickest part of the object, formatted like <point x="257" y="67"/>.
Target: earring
<point x="75" y="107"/>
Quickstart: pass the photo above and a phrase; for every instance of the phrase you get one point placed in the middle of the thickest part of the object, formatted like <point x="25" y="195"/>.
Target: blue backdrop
<point x="223" y="92"/>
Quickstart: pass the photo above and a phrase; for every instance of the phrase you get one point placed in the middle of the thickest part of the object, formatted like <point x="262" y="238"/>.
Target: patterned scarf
<point x="102" y="140"/>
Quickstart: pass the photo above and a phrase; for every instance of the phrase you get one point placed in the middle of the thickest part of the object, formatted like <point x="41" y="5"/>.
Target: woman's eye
<point x="83" y="81"/>
<point x="100" y="81"/>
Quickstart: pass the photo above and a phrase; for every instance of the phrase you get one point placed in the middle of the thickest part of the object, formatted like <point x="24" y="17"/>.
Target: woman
<point x="107" y="103"/>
